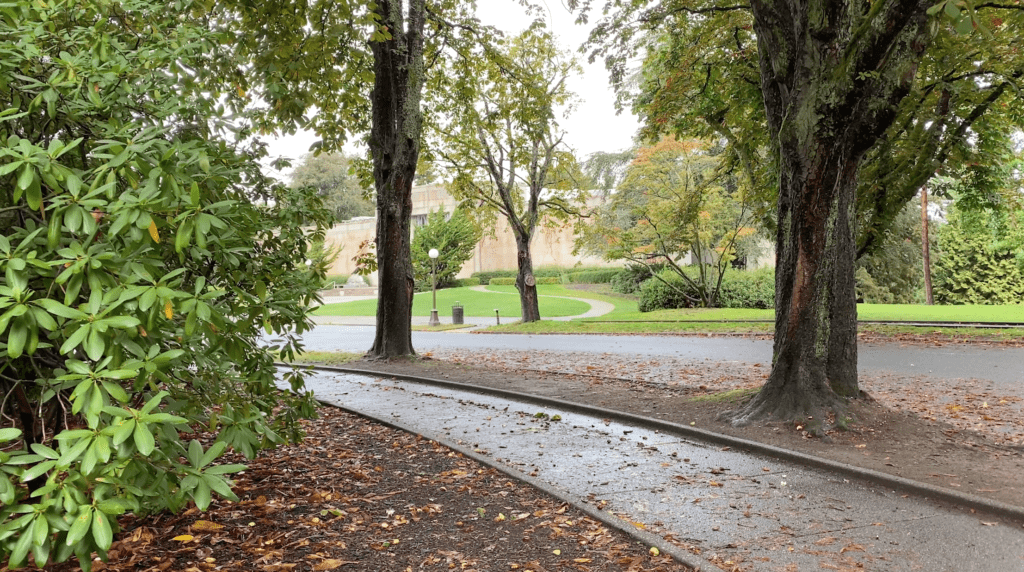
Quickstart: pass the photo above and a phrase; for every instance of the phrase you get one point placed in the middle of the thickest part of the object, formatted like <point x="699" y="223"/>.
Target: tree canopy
<point x="454" y="237"/>
<point x="362" y="67"/>
<point x="675" y="202"/>
<point x="503" y="145"/>
<point x="700" y="77"/>
<point x="334" y="178"/>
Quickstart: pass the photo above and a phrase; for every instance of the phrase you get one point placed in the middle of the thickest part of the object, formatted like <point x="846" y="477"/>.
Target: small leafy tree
<point x="504" y="146"/>
<point x="335" y="181"/>
<point x="675" y="201"/>
<point x="454" y="238"/>
<point x="138" y="269"/>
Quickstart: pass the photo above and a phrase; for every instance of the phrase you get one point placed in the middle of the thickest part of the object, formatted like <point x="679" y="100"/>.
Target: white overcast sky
<point x="594" y="126"/>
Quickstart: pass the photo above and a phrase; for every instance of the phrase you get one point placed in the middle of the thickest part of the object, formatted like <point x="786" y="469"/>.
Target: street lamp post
<point x="433" y="282"/>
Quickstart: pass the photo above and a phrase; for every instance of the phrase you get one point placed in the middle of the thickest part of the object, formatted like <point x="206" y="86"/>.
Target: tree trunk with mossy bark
<point x="833" y="75"/>
<point x="395" y="146"/>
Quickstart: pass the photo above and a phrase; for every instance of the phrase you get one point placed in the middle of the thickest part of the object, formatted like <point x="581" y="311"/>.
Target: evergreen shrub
<point x="740" y="289"/>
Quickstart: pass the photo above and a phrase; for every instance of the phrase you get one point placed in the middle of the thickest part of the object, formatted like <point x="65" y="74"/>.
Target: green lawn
<point x="506" y="300"/>
<point x="474" y="303"/>
<point x="911" y="313"/>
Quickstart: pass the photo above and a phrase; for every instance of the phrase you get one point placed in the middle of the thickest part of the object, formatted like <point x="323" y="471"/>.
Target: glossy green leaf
<point x="9" y="434"/>
<point x="80" y="527"/>
<point x="144" y="439"/>
<point x="101" y="530"/>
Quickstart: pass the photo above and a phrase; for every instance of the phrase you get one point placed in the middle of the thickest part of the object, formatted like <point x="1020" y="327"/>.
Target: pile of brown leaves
<point x="359" y="496"/>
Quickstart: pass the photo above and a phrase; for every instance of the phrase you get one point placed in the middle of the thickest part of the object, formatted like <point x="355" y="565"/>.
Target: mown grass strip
<point x="474" y="303"/>
<point x="325" y="358"/>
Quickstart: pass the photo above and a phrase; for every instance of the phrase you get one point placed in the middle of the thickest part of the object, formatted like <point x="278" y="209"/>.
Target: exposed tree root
<point x="811" y="409"/>
<point x="371" y="357"/>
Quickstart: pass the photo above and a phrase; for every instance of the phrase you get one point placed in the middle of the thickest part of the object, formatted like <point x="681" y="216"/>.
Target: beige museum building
<point x="495" y="251"/>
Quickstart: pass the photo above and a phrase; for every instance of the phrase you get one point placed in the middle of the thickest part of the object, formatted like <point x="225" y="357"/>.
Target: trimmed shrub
<point x="748" y="289"/>
<point x="562" y="274"/>
<point x="740" y="289"/>
<point x="592" y="276"/>
<point x="655" y="294"/>
<point x="335" y="280"/>
<point x="465" y="282"/>
<point x="547" y="272"/>
<point x="629" y="279"/>
<point x="501" y="281"/>
<point x="485" y="277"/>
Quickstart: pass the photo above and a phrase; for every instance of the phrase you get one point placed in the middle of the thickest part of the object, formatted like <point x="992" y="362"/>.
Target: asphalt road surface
<point x="1004" y="366"/>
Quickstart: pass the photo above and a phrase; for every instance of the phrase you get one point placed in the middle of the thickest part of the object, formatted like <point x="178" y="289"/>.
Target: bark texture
<point x="395" y="145"/>
<point x="525" y="281"/>
<point x="833" y="74"/>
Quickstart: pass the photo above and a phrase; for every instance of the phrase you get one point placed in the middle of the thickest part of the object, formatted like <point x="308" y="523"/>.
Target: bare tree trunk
<point x="394" y="145"/>
<point x="525" y="281"/>
<point x="925" y="249"/>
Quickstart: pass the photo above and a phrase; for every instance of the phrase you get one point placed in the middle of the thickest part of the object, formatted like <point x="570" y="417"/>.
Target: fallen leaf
<point x="183" y="538"/>
<point x="206" y="526"/>
<point x="989" y="523"/>
<point x="331" y="564"/>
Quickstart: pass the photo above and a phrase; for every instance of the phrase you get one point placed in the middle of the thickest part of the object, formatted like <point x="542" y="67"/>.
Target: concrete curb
<point x="893" y="482"/>
<point x="609" y="520"/>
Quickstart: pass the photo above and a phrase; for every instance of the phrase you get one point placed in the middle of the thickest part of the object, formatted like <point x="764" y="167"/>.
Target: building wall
<point x="495" y="251"/>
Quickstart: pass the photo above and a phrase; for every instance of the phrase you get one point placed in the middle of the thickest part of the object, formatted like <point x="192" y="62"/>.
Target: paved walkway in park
<point x="597" y="308"/>
<point x="659" y="482"/>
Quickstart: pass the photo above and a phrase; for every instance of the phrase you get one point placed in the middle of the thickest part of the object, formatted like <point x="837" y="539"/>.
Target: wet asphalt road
<point x="1004" y="366"/>
<point x="771" y="514"/>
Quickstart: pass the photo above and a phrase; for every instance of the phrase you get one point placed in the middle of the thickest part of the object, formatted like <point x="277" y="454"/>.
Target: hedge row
<point x="485" y="277"/>
<point x="578" y="275"/>
<point x="504" y="281"/>
<point x="740" y="289"/>
<point x="602" y="276"/>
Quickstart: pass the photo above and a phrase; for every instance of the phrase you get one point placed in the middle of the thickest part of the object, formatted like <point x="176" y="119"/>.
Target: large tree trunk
<point x="815" y="354"/>
<point x="832" y="80"/>
<point x="525" y="281"/>
<point x="394" y="145"/>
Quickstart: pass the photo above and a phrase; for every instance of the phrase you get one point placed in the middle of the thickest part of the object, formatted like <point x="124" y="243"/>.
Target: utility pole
<point x="924" y="248"/>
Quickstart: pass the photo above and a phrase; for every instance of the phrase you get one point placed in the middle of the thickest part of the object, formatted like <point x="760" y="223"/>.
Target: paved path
<point x="766" y="513"/>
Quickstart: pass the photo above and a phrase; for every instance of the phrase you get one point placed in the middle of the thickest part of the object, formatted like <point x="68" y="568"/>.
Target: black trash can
<point x="457" y="314"/>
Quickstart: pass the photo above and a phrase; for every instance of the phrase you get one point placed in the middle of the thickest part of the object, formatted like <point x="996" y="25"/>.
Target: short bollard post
<point x="497" y="317"/>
